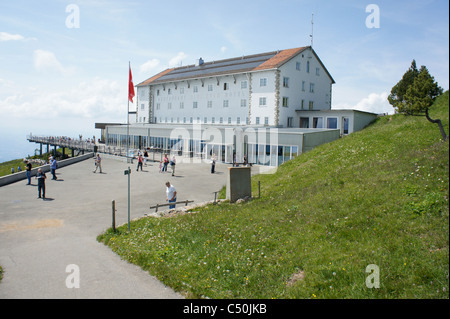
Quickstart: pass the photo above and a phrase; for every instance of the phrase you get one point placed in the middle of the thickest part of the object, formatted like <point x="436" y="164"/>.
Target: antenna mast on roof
<point x="312" y="29"/>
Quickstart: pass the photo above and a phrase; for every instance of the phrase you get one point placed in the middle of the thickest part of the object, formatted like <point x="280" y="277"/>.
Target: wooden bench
<point x="185" y="202"/>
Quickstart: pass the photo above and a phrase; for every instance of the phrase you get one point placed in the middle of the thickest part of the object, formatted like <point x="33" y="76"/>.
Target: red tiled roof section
<point x="155" y="77"/>
<point x="279" y="59"/>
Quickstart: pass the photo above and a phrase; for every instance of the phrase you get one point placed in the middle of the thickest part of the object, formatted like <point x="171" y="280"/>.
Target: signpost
<point x="128" y="172"/>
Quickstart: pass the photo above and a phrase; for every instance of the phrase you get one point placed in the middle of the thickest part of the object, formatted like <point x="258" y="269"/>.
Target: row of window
<point x="244" y="85"/>
<point x="226" y="103"/>
<point x="226" y="87"/>
<point x="220" y="120"/>
<point x="298" y="67"/>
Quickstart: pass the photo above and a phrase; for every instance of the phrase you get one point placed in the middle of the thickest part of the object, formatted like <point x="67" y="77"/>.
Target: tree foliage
<point x="415" y="93"/>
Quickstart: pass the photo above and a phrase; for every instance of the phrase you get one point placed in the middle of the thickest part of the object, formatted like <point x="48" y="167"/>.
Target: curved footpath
<point x="42" y="240"/>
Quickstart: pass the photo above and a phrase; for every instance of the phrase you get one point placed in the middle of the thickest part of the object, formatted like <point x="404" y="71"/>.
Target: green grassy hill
<point x="376" y="197"/>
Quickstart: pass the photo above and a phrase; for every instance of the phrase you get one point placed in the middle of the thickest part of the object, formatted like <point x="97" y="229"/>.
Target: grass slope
<point x="378" y="196"/>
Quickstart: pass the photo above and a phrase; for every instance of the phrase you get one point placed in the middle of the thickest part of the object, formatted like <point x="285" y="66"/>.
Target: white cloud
<point x="98" y="99"/>
<point x="45" y="61"/>
<point x="374" y="102"/>
<point x="223" y="49"/>
<point x="177" y="60"/>
<point x="148" y="66"/>
<point x="5" y="36"/>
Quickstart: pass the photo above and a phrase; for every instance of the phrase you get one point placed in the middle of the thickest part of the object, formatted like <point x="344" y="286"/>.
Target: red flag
<point x="130" y="88"/>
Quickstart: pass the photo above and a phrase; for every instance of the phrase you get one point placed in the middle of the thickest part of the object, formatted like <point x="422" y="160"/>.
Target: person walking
<point x="53" y="166"/>
<point x="28" y="172"/>
<point x="41" y="183"/>
<point x="98" y="163"/>
<point x="173" y="162"/>
<point x="171" y="194"/>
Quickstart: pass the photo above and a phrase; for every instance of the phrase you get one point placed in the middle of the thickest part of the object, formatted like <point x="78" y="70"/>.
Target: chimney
<point x="199" y="62"/>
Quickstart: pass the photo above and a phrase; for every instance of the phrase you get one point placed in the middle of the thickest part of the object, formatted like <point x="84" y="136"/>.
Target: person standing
<point x="173" y="162"/>
<point x="171" y="194"/>
<point x="28" y="172"/>
<point x="213" y="164"/>
<point x="53" y="165"/>
<point x="41" y="183"/>
<point x="165" y="162"/>
<point x="98" y="163"/>
<point x="139" y="163"/>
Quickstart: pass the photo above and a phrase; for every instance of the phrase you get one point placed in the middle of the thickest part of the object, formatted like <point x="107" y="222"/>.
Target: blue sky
<point x="60" y="78"/>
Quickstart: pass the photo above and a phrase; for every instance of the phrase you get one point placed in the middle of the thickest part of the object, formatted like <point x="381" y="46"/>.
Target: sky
<point x="64" y="64"/>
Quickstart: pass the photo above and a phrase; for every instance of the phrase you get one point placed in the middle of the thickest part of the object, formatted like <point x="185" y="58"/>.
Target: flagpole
<point x="128" y="112"/>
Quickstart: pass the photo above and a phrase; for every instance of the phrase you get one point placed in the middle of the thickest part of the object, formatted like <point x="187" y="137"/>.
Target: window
<point x="311" y="87"/>
<point x="266" y="121"/>
<point x="169" y="106"/>
<point x="332" y="122"/>
<point x="304" y="122"/>
<point x="229" y="120"/>
<point x="225" y="103"/>
<point x="303" y="104"/>
<point x="191" y="120"/>
<point x="285" y="82"/>
<point x="158" y="106"/>
<point x="243" y="84"/>
<point x="226" y="86"/>
<point x="195" y="105"/>
<point x="195" y="89"/>
<point x="181" y="90"/>
<point x="307" y="67"/>
<point x="198" y="119"/>
<point x="285" y="101"/>
<point x="221" y="120"/>
<point x="210" y="87"/>
<point x="181" y="105"/>
<point x="213" y="120"/>
<point x="317" y="71"/>
<point x="303" y="86"/>
<point x="184" y="120"/>
<point x="262" y="101"/>
<point x="238" y="120"/>
<point x="169" y="91"/>
<point x="297" y="66"/>
<point x="205" y="120"/>
<point x="142" y="106"/>
<point x="346" y="123"/>
<point x="290" y="122"/>
<point x="243" y="103"/>
<point x="263" y="82"/>
<point x="257" y="120"/>
<point x="209" y="104"/>
<point x="157" y="92"/>
<point x="311" y="105"/>
<point x="317" y="122"/>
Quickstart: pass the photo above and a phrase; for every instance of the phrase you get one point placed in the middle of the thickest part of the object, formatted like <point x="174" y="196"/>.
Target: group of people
<point x="165" y="163"/>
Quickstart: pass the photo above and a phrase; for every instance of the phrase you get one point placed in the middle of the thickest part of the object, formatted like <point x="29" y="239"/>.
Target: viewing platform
<point x="80" y="146"/>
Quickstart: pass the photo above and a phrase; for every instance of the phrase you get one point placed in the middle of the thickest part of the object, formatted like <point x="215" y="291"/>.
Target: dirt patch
<point x="45" y="223"/>
<point x="296" y="277"/>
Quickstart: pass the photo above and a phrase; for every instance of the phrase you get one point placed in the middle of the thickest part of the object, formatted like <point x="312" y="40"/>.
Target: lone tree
<point x="415" y="93"/>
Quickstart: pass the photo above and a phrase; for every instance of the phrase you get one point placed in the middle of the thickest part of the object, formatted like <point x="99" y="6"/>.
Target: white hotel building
<point x="270" y="107"/>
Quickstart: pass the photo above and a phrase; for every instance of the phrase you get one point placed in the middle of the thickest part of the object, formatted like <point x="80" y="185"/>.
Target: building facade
<point x="267" y="107"/>
<point x="264" y="89"/>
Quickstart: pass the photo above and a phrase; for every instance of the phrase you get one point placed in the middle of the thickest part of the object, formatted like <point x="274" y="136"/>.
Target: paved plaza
<point x="39" y="238"/>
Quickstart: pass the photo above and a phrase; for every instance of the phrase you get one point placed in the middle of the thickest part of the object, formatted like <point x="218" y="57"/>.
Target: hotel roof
<point x="257" y="62"/>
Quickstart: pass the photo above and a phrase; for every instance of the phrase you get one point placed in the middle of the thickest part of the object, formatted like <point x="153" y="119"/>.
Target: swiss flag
<point x="130" y="88"/>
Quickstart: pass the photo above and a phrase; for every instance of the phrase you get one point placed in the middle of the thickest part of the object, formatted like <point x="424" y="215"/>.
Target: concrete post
<point x="239" y="183"/>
